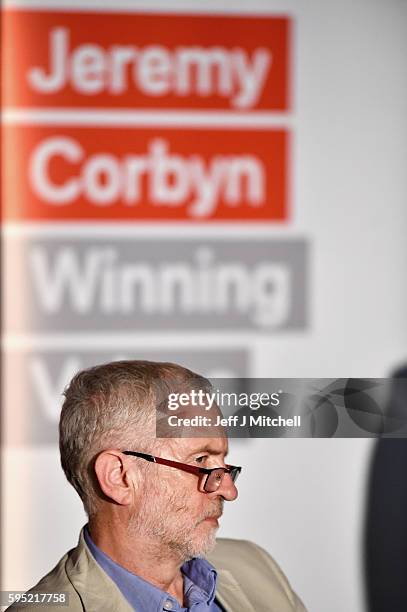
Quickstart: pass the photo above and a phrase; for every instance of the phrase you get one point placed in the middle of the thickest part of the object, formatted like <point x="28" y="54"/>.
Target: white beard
<point x="163" y="518"/>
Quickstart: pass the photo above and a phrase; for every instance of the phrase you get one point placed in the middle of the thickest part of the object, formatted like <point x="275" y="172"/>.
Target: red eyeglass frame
<point x="232" y="470"/>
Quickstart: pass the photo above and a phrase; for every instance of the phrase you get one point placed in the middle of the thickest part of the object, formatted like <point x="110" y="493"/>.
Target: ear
<point x="115" y="478"/>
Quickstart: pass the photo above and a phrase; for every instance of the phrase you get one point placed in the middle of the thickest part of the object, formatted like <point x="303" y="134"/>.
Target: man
<point x="153" y="505"/>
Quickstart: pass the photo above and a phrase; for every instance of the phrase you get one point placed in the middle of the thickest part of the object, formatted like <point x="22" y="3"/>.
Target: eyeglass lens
<point x="215" y="478"/>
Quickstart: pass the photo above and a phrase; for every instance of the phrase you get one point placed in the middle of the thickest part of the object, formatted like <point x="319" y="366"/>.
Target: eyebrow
<point x="207" y="448"/>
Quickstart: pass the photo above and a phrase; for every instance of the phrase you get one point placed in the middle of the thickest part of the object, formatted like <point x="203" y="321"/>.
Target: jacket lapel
<point x="230" y="595"/>
<point x="94" y="587"/>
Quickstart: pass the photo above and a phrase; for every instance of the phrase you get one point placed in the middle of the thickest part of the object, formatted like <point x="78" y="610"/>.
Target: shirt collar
<point x="199" y="573"/>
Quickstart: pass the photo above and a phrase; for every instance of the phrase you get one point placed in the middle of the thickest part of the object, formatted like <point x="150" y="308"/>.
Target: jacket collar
<point x="230" y="595"/>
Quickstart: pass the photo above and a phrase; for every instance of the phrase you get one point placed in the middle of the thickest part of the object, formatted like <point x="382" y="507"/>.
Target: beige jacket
<point x="248" y="581"/>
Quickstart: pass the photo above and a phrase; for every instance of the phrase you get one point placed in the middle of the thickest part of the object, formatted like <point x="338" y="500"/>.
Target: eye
<point x="201" y="459"/>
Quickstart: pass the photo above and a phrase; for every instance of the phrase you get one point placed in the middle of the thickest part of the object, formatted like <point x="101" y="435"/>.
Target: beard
<point x="165" y="520"/>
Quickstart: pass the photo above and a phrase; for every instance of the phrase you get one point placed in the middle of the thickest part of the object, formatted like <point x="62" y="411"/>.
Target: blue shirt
<point x="199" y="585"/>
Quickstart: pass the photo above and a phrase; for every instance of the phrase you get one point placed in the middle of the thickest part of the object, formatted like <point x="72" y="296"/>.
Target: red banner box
<point x="78" y="173"/>
<point x="144" y="61"/>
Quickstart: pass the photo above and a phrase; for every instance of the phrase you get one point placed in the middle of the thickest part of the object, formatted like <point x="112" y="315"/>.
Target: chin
<point x="202" y="546"/>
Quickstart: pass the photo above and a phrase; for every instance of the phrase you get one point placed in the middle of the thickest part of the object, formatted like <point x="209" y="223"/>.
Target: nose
<point x="227" y="488"/>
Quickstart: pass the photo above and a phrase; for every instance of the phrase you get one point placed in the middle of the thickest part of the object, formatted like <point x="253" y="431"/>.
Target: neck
<point x="142" y="556"/>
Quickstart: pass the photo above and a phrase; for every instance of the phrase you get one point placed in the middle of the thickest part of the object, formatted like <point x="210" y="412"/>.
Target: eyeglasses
<point x="212" y="476"/>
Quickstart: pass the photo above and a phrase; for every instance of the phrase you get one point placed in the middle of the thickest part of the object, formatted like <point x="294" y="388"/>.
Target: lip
<point x="214" y="519"/>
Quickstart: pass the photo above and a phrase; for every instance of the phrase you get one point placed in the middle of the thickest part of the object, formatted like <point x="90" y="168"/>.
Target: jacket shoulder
<point x="86" y="584"/>
<point x="56" y="582"/>
<point x="255" y="570"/>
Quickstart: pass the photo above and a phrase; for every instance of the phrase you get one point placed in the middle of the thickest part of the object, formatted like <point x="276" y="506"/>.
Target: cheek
<point x="185" y="486"/>
<point x="188" y="507"/>
<point x="179" y="494"/>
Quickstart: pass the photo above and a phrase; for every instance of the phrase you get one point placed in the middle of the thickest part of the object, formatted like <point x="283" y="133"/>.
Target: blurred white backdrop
<point x="349" y="188"/>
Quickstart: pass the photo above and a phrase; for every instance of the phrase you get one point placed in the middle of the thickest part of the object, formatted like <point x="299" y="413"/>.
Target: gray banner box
<point x="131" y="284"/>
<point x="33" y="382"/>
<point x="288" y="408"/>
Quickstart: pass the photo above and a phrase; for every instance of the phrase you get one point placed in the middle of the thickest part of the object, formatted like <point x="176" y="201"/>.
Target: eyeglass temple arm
<point x="141" y="455"/>
<point x="192" y="469"/>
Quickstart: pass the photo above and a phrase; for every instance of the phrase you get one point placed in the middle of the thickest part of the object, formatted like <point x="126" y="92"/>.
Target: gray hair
<point x="113" y="406"/>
